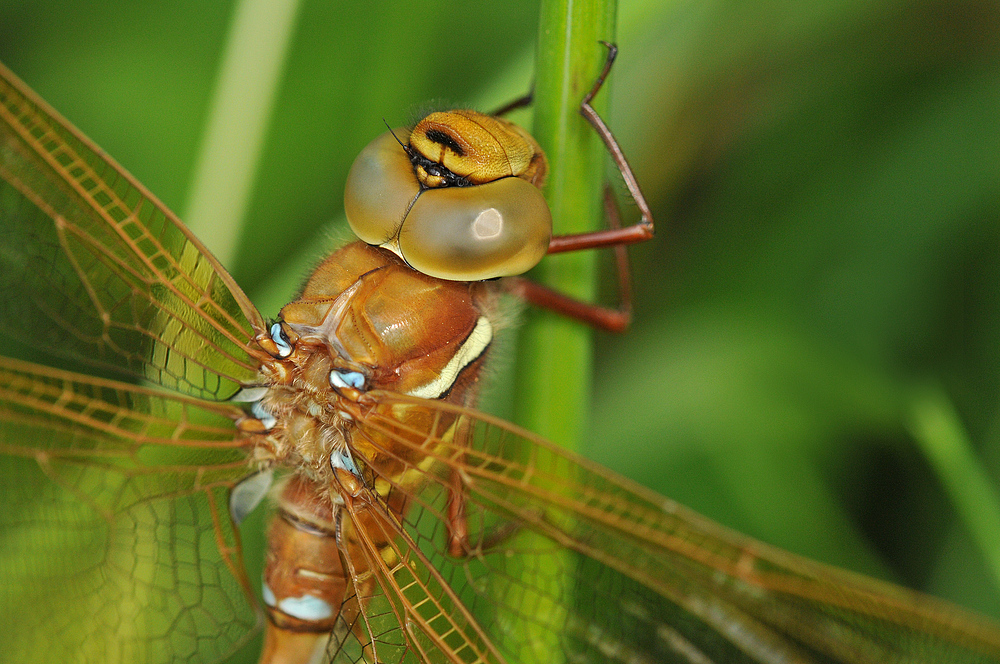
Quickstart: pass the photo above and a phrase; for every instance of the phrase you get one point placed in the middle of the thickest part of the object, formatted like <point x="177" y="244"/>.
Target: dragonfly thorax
<point x="384" y="326"/>
<point x="309" y="427"/>
<point x="366" y="321"/>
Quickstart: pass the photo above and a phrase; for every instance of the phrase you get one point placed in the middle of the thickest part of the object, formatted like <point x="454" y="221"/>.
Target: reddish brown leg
<point x="639" y="232"/>
<point x="520" y="102"/>
<point x="458" y="527"/>
<point x="459" y="545"/>
<point x="605" y="318"/>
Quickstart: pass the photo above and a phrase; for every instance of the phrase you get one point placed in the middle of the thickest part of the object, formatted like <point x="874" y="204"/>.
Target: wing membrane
<point x="407" y="590"/>
<point x="563" y="556"/>
<point x="93" y="267"/>
<point x="115" y="539"/>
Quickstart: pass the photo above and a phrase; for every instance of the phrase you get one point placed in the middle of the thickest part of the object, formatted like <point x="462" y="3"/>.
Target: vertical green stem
<point x="555" y="353"/>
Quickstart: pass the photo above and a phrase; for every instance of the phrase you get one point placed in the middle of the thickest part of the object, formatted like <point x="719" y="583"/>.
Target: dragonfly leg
<point x="611" y="319"/>
<point x="459" y="544"/>
<point x="638" y="232"/>
<point x="613" y="237"/>
<point x="458" y="526"/>
<point x="520" y="102"/>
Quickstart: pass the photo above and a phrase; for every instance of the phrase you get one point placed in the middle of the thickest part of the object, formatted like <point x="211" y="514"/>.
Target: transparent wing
<point x="412" y="612"/>
<point x="115" y="538"/>
<point x="562" y="556"/>
<point x="93" y="267"/>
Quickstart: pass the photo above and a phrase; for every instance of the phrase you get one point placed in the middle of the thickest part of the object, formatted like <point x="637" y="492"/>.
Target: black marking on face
<point x="442" y="138"/>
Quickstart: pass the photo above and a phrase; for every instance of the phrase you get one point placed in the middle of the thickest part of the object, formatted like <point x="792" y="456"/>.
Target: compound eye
<point x="380" y="189"/>
<point x="493" y="223"/>
<point x="492" y="230"/>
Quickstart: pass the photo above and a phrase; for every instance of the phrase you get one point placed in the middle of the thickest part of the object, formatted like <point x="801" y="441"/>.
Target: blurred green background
<point x="826" y="182"/>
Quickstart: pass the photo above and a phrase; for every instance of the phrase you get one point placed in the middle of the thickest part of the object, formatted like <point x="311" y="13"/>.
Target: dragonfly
<point x="408" y="526"/>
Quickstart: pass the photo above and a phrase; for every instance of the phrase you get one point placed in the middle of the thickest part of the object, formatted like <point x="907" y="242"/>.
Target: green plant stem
<point x="553" y="396"/>
<point x="554" y="353"/>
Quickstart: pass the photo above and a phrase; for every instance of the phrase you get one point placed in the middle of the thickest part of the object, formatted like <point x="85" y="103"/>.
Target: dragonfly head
<point x="457" y="198"/>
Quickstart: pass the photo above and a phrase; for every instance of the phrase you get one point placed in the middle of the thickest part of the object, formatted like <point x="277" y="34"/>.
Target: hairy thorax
<point x="365" y="321"/>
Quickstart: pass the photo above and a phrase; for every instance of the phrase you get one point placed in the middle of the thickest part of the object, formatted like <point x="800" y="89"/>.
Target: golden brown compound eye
<point x="468" y="233"/>
<point x="380" y="189"/>
<point x="497" y="229"/>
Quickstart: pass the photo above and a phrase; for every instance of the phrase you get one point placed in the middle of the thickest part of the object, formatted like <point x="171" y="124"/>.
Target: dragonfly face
<point x="410" y="526"/>
<point x="460" y="201"/>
